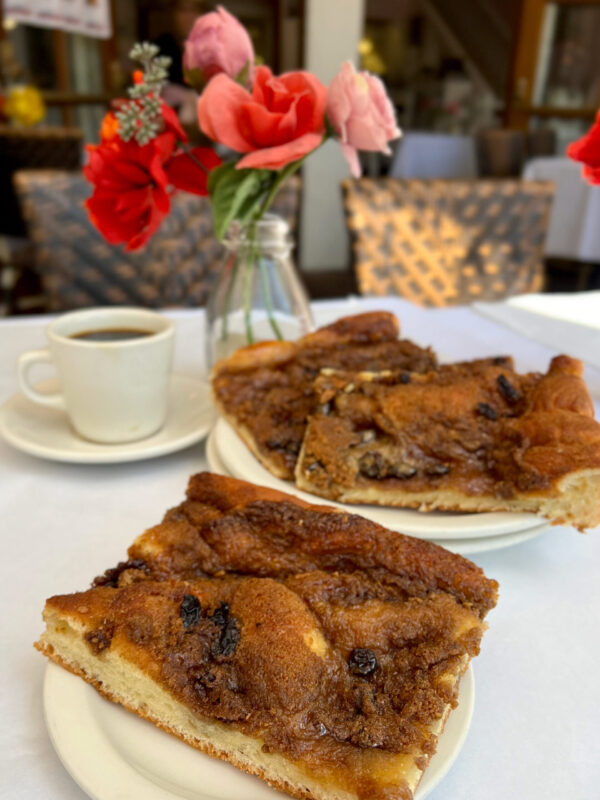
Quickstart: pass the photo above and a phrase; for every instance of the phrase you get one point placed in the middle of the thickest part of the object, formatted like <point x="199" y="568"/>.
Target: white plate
<point x="240" y="463"/>
<point x="468" y="547"/>
<point x="463" y="547"/>
<point x="46" y="432"/>
<point x="113" y="754"/>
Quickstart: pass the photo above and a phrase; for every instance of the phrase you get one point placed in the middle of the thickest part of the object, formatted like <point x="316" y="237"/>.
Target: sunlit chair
<point x="440" y="243"/>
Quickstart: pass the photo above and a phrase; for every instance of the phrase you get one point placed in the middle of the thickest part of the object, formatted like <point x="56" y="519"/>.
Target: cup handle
<point x="24" y="365"/>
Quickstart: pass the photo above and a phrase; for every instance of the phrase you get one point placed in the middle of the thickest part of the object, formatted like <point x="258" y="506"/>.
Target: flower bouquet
<point x="265" y="126"/>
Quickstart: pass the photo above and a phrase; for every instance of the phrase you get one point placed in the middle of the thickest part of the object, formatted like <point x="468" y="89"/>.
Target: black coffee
<point x="111" y="335"/>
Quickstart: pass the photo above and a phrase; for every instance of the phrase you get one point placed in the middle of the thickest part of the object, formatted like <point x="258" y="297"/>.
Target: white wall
<point x="333" y="30"/>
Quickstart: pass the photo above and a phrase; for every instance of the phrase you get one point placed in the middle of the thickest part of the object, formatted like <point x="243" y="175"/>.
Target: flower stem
<point x="268" y="301"/>
<point x="228" y="293"/>
<point x="247" y="290"/>
<point x="193" y="158"/>
<point x="282" y="176"/>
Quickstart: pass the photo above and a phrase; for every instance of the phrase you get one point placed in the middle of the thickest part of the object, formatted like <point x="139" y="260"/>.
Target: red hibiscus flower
<point x="587" y="150"/>
<point x="280" y="122"/>
<point x="132" y="183"/>
<point x="130" y="195"/>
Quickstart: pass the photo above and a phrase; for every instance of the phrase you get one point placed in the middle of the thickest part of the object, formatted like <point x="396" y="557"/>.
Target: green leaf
<point x="330" y="131"/>
<point x="195" y="78"/>
<point x="243" y="76"/>
<point x="234" y="193"/>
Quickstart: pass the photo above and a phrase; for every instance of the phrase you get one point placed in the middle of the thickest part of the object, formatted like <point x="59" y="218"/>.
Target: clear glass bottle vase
<point x="258" y="295"/>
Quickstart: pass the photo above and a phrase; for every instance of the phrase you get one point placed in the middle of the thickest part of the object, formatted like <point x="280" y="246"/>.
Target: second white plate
<point x="465" y="547"/>
<point x="239" y="462"/>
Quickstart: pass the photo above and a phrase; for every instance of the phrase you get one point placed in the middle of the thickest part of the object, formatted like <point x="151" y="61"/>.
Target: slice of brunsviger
<point x="312" y="648"/>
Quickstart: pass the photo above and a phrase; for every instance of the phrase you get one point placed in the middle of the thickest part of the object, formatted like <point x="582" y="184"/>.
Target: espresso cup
<point x="113" y="368"/>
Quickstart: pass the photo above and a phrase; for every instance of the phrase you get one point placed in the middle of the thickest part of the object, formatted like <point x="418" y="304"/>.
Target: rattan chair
<point x="22" y="148"/>
<point x="178" y="267"/>
<point x="442" y="243"/>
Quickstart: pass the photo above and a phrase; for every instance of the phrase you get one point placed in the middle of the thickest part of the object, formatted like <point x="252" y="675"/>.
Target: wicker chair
<point x="44" y="147"/>
<point x="442" y="243"/>
<point x="79" y="268"/>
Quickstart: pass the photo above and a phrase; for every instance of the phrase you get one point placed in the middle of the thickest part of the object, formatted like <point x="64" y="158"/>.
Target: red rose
<point x="587" y="150"/>
<point x="280" y="122"/>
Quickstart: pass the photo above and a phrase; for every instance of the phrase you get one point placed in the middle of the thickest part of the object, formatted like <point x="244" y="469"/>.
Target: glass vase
<point x="258" y="295"/>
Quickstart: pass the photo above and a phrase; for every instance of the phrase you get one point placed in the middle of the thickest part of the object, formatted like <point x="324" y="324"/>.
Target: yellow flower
<point x="25" y="105"/>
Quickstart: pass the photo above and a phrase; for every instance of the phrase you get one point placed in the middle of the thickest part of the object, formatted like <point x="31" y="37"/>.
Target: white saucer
<point x="239" y="462"/>
<point x="113" y="754"/>
<point x="46" y="432"/>
<point x="463" y="547"/>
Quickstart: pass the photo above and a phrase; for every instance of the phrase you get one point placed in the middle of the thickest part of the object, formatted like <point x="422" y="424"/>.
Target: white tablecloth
<point x="536" y="725"/>
<point x="574" y="228"/>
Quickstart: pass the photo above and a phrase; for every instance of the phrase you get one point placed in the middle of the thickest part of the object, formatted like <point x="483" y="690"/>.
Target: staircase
<point x="485" y="31"/>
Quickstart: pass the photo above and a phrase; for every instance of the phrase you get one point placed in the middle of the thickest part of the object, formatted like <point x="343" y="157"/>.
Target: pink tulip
<point x="218" y="42"/>
<point x="361" y="114"/>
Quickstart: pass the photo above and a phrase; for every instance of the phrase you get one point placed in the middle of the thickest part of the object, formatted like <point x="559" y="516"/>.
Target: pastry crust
<point x="469" y="437"/>
<point x="310" y="647"/>
<point x="265" y="390"/>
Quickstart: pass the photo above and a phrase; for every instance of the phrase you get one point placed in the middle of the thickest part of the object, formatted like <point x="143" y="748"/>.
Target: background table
<point x="573" y="231"/>
<point x="536" y="728"/>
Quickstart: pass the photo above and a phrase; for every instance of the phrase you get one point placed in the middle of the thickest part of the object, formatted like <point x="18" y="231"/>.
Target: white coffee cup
<point x="112" y="391"/>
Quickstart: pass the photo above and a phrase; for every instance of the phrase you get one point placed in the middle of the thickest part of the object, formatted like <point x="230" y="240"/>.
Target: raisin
<point x="404" y="377"/>
<point x="507" y="390"/>
<point x="372" y="465"/>
<point x="228" y="640"/>
<point x="190" y="611"/>
<point x="487" y="411"/>
<point x="111" y="576"/>
<point x="501" y="361"/>
<point x="221" y="614"/>
<point x="362" y="662"/>
<point x="437" y="469"/>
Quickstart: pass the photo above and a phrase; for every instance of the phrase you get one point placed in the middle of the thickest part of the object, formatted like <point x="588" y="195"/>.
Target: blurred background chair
<point x="78" y="268"/>
<point x="441" y="243"/>
<point x="24" y="149"/>
<point x="434" y="155"/>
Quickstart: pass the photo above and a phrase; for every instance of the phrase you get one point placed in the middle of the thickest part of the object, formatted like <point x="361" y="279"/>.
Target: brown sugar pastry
<point x="310" y="647"/>
<point x="265" y="391"/>
<point x="469" y="437"/>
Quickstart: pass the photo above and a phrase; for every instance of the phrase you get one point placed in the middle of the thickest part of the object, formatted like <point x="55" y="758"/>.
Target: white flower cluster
<point x="140" y="118"/>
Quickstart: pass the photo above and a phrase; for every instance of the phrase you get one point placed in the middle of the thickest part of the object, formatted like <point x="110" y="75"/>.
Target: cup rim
<point x="98" y="311"/>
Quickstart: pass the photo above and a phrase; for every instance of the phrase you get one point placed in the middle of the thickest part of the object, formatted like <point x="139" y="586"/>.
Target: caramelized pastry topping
<point x="269" y="397"/>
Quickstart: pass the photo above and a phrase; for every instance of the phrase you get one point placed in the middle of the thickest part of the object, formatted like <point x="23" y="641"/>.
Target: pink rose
<point x="361" y="114"/>
<point x="218" y="42"/>
<point x="281" y="121"/>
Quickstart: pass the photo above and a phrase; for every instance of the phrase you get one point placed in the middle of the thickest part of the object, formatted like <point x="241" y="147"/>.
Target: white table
<point x="536" y="728"/>
<point x="574" y="228"/>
